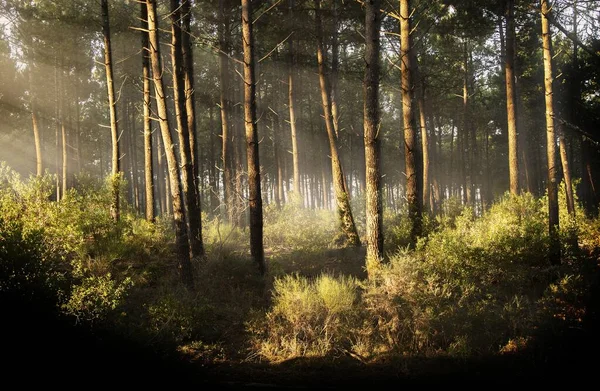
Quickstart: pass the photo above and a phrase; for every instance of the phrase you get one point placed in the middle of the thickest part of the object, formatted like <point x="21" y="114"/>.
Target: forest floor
<point x="40" y="348"/>
<point x="569" y="357"/>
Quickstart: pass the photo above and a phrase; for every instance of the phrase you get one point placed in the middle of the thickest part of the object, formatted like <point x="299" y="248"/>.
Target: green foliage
<point x="467" y="288"/>
<point x="293" y="227"/>
<point x="96" y="297"/>
<point x="310" y="317"/>
<point x="175" y="317"/>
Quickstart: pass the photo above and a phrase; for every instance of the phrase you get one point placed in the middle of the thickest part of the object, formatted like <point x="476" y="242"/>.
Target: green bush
<point x="467" y="287"/>
<point x="96" y="297"/>
<point x="310" y="317"/>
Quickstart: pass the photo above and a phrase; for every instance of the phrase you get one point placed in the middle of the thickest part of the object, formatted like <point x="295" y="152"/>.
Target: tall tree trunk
<point x="255" y="197"/>
<point x="188" y="184"/>
<point x="553" y="221"/>
<point x="374" y="203"/>
<point x="334" y="71"/>
<point x="513" y="159"/>
<point x="58" y="96"/>
<point x="427" y="206"/>
<point x="212" y="180"/>
<point x="190" y="108"/>
<point x="148" y="172"/>
<point x="160" y="180"/>
<point x="410" y="143"/>
<point x="291" y="102"/>
<point x="566" y="172"/>
<point x="63" y="132"/>
<point x="341" y="194"/>
<point x="467" y="151"/>
<point x="34" y="118"/>
<point x="114" y="131"/>
<point x="185" y="266"/>
<point x="227" y="147"/>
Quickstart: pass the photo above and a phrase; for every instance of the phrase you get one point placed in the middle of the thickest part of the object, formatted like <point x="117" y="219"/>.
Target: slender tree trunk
<point x="148" y="172"/>
<point x="255" y="197"/>
<point x="114" y="131"/>
<point x="212" y="177"/>
<point x="343" y="200"/>
<point x="34" y="118"/>
<point x="160" y="182"/>
<point x="190" y="108"/>
<point x="513" y="159"/>
<point x="334" y="71"/>
<point x="291" y="103"/>
<point x="227" y="147"/>
<point x="58" y="95"/>
<point x="566" y="172"/>
<point x="185" y="266"/>
<point x="65" y="164"/>
<point x="410" y="145"/>
<point x="374" y="204"/>
<point x="553" y="221"/>
<point x="425" y="148"/>
<point x="188" y="184"/>
<point x="467" y="151"/>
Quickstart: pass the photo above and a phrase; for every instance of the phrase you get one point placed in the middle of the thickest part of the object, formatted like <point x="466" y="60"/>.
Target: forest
<point x="299" y="193"/>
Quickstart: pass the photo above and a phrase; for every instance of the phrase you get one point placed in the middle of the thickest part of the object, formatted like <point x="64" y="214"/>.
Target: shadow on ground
<point x="41" y="348"/>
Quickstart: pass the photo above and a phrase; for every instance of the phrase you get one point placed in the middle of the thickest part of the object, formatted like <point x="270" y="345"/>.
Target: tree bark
<point x="227" y="146"/>
<point x="190" y="108"/>
<point x="566" y="172"/>
<point x="374" y="203"/>
<point x="513" y="159"/>
<point x="291" y="103"/>
<point x="114" y="131"/>
<point x="341" y="194"/>
<point x="553" y="221"/>
<point x="185" y="266"/>
<point x="34" y="118"/>
<point x="148" y="172"/>
<point x="427" y="201"/>
<point x="255" y="197"/>
<point x="410" y="145"/>
<point x="188" y="184"/>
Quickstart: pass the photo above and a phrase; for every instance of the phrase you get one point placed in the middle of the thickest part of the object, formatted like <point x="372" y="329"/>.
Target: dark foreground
<point x="41" y="348"/>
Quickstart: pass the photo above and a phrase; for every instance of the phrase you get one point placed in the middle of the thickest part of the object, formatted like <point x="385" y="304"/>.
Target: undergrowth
<point x="472" y="286"/>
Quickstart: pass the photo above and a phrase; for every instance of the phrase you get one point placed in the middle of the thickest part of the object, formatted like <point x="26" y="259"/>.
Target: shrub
<point x="310" y="317"/>
<point x="96" y="297"/>
<point x="467" y="287"/>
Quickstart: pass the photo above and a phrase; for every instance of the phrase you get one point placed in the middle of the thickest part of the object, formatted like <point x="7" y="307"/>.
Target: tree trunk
<point x="550" y="139"/>
<point x="148" y="172"/>
<point x="212" y="176"/>
<point x="334" y="71"/>
<point x="410" y="145"/>
<point x="291" y="102"/>
<point x="427" y="206"/>
<point x="341" y="194"/>
<point x="566" y="172"/>
<point x="34" y="119"/>
<point x="255" y="197"/>
<point x="188" y="184"/>
<point x="63" y="132"/>
<point x="227" y="147"/>
<point x="185" y="266"/>
<point x="190" y="108"/>
<point x="374" y="207"/>
<point x="114" y="131"/>
<point x="513" y="159"/>
<point x="58" y="97"/>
